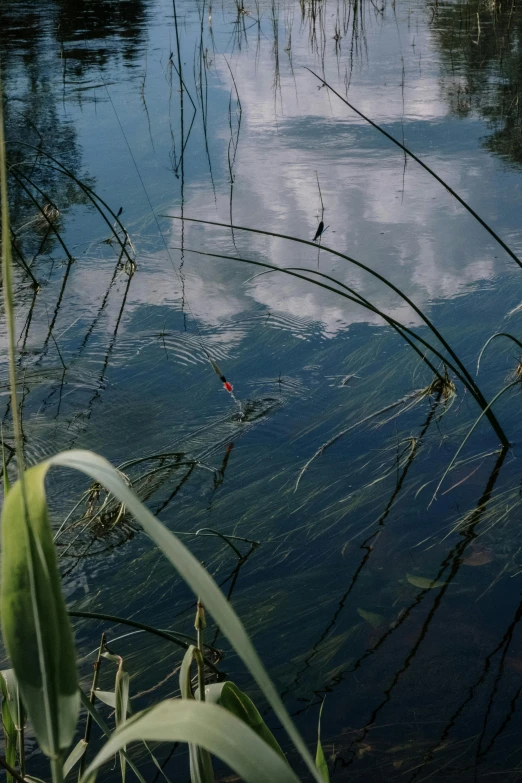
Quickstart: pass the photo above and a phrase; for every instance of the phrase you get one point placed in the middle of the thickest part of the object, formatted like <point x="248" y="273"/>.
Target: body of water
<point x="361" y="576"/>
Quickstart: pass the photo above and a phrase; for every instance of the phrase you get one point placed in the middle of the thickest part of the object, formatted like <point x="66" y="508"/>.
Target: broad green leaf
<point x="212" y="727"/>
<point x="239" y="704"/>
<point x="320" y="760"/>
<point x="193" y="573"/>
<point x="74" y="757"/>
<point x="10" y="734"/>
<point x="35" y="625"/>
<point x="201" y="770"/>
<point x="423" y="582"/>
<point x="375" y="620"/>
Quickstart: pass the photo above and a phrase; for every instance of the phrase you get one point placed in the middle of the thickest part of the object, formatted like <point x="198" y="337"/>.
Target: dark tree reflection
<point x="480" y="44"/>
<point x="54" y="52"/>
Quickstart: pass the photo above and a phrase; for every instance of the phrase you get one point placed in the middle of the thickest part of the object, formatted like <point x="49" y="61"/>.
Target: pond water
<point x="395" y="596"/>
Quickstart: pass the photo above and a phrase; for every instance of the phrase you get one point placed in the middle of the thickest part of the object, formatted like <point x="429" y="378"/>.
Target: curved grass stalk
<point x="498" y="334"/>
<point x="483" y="413"/>
<point x="403" y="331"/>
<point x="425" y="167"/>
<point x="470" y="382"/>
<point x="170" y="637"/>
<point x="208" y="531"/>
<point x="358" y="299"/>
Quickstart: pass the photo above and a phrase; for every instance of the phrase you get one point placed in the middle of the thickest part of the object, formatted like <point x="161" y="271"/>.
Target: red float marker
<point x="226" y="385"/>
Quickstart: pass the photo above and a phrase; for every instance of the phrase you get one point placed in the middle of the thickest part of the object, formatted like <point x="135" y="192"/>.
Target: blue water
<point x="420" y="682"/>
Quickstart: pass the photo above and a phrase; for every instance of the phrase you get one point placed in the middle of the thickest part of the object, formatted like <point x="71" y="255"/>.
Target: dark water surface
<point x="403" y="609"/>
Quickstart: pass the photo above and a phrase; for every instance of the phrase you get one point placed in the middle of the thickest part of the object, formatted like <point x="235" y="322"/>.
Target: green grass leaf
<point x="374" y="619"/>
<point x="423" y="582"/>
<point x="35" y="625"/>
<point x="320" y="760"/>
<point x="74" y="757"/>
<point x="107" y="697"/>
<point x="193" y="573"/>
<point x="201" y="770"/>
<point x="5" y="475"/>
<point x="10" y="734"/>
<point x="239" y="704"/>
<point x="212" y="727"/>
<point x="12" y="694"/>
<point x="122" y="705"/>
<point x="121" y="699"/>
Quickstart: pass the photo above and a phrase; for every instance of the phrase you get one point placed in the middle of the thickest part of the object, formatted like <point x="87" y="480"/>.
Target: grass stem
<point x="424" y="166"/>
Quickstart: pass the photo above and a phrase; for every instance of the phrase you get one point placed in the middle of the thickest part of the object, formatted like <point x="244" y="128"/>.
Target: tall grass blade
<point x="320" y="759"/>
<point x="35" y="625"/>
<point x="201" y="770"/>
<point x="121" y="699"/>
<point x="7" y="286"/>
<point x="214" y="728"/>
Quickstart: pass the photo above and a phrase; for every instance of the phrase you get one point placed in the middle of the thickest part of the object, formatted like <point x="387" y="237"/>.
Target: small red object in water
<point x="228" y="386"/>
